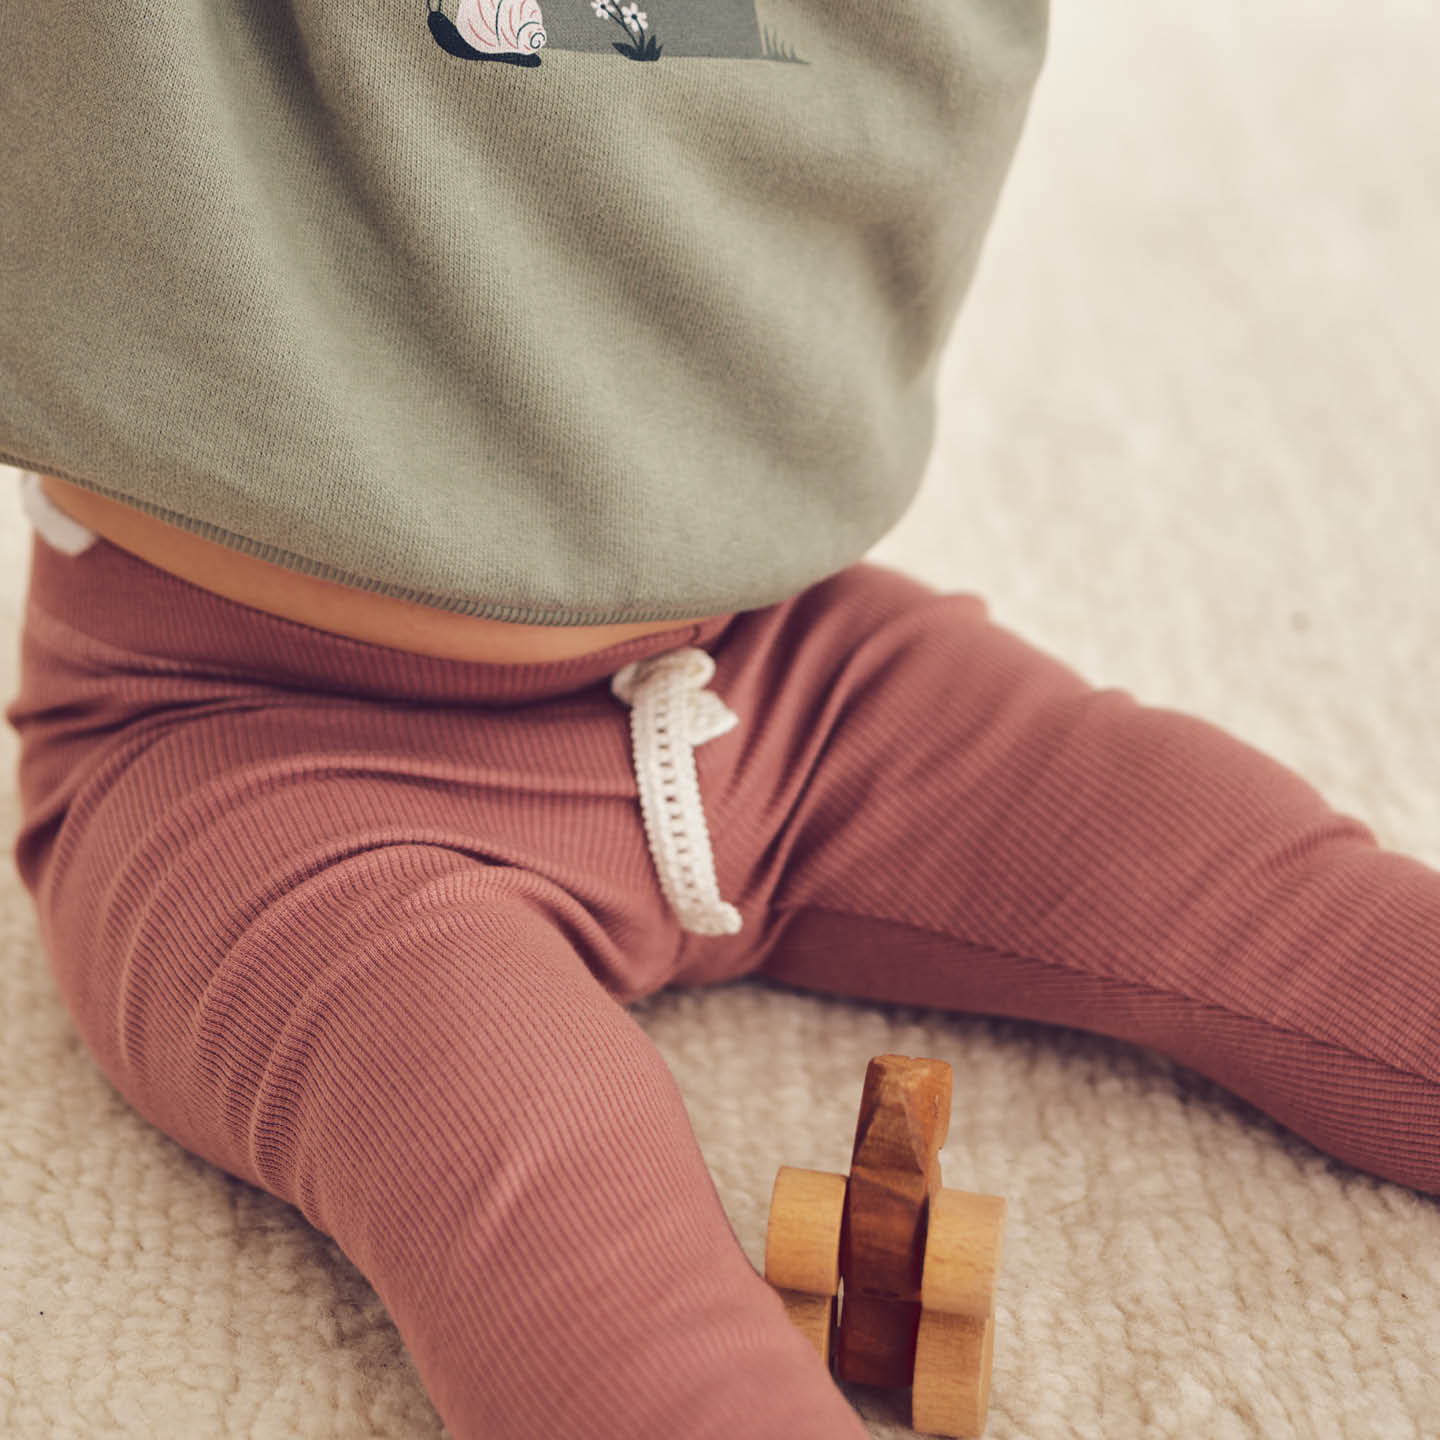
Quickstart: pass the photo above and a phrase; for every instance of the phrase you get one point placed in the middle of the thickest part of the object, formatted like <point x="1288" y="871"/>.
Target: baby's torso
<point x="340" y="609"/>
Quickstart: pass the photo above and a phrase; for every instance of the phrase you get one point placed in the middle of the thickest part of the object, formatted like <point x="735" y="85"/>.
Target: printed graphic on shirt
<point x="515" y="31"/>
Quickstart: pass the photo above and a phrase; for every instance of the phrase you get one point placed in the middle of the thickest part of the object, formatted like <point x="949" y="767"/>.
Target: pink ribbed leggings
<point x="360" y="926"/>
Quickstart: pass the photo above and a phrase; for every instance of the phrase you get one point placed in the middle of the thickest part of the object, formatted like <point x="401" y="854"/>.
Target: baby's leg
<point x="399" y="1038"/>
<point x="985" y="831"/>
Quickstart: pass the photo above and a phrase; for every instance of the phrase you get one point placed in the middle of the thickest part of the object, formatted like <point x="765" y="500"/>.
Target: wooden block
<point x="918" y="1262"/>
<point x="962" y="1253"/>
<point x="904" y="1114"/>
<point x="877" y="1339"/>
<point x="894" y="1171"/>
<point x="882" y="1246"/>
<point x="814" y="1317"/>
<point x="955" y="1340"/>
<point x="802" y="1238"/>
<point x="951" y="1391"/>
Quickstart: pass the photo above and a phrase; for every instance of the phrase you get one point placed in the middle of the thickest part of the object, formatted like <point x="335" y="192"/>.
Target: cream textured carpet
<point x="1191" y="444"/>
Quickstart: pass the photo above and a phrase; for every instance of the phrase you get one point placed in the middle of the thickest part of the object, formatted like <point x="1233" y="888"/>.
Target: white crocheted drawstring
<point x="670" y="713"/>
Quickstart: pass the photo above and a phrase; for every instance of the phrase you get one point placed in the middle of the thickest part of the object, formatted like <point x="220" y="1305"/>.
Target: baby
<point x="447" y="626"/>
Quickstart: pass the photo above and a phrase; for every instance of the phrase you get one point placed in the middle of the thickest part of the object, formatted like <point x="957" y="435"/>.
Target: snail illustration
<point x="511" y="31"/>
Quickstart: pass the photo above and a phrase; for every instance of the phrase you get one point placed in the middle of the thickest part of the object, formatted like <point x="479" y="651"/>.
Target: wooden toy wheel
<point x="950" y="1394"/>
<point x="802" y="1251"/>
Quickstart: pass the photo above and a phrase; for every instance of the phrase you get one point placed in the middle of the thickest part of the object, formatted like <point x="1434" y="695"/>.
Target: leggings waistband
<point x="113" y="596"/>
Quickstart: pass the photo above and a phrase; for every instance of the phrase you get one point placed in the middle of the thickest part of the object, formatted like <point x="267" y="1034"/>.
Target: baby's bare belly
<point x="340" y="609"/>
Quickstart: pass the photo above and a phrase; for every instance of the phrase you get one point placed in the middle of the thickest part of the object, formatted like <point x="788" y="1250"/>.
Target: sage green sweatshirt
<point x="555" y="311"/>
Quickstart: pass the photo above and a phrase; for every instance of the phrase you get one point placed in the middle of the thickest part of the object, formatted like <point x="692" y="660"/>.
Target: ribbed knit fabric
<point x="359" y="926"/>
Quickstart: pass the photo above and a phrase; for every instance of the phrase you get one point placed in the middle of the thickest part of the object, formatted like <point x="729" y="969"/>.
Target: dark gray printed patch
<point x="514" y="32"/>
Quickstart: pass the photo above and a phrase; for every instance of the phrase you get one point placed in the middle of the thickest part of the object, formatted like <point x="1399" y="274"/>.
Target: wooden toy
<point x="918" y="1262"/>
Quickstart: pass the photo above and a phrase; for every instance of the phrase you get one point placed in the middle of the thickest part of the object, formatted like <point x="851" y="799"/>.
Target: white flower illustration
<point x="635" y="22"/>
